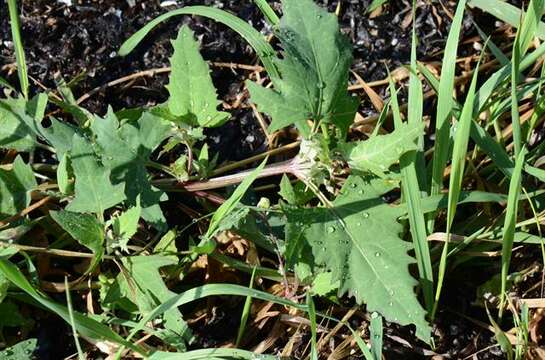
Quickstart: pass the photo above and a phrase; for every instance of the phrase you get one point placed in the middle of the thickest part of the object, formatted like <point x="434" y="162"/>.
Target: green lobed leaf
<point x="380" y="152"/>
<point x="84" y="228"/>
<point x="15" y="187"/>
<point x="14" y="131"/>
<point x="64" y="173"/>
<point x="23" y="124"/>
<point x="126" y="225"/>
<point x="148" y="290"/>
<point x="313" y="71"/>
<point x="296" y="194"/>
<point x="125" y="149"/>
<point x="358" y="242"/>
<point x="94" y="191"/>
<point x="192" y="93"/>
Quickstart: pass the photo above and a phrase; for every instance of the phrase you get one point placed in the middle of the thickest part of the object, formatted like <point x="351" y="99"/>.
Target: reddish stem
<point x="285" y="167"/>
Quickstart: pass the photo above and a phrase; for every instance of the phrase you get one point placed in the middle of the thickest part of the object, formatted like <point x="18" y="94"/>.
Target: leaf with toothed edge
<point x="358" y="241"/>
<point x="380" y="152"/>
<point x="313" y="71"/>
<point x="94" y="191"/>
<point x="192" y="93"/>
<point x="125" y="148"/>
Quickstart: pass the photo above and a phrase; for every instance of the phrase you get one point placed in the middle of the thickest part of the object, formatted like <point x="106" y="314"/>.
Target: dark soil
<point x="80" y="42"/>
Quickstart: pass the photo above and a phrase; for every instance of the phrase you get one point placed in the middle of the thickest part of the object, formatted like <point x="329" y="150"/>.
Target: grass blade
<point x="19" y="49"/>
<point x="510" y="222"/>
<point x="376" y="336"/>
<point x="375" y="4"/>
<point x="71" y="317"/>
<point x="459" y="152"/>
<point x="498" y="54"/>
<point x="263" y="49"/>
<point x="84" y="325"/>
<point x="445" y="105"/>
<point x="245" y="311"/>
<point x="313" y="327"/>
<point x="411" y="191"/>
<point x="268" y="12"/>
<point x="496" y="79"/>
<point x="507" y="13"/>
<point x="501" y="337"/>
<point x="416" y="102"/>
<point x="204" y="291"/>
<point x="525" y="35"/>
<point x="233" y="200"/>
<point x="361" y="345"/>
<point x="6" y="84"/>
<point x="211" y="354"/>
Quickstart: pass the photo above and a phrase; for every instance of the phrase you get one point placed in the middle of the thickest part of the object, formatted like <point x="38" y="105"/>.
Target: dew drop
<point x="322" y="85"/>
<point x="377" y="254"/>
<point x="391" y="292"/>
<point x="361" y="192"/>
<point x="319" y="16"/>
<point x="358" y="223"/>
<point x="330" y="229"/>
<point x="391" y="303"/>
<point x="353" y="185"/>
<point x="365" y="215"/>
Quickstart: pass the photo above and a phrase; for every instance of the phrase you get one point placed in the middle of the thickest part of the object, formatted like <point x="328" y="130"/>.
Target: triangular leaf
<point x="380" y="152"/>
<point x="192" y="93"/>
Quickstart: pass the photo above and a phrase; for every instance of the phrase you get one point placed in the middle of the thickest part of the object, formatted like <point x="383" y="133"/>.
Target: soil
<point x="79" y="42"/>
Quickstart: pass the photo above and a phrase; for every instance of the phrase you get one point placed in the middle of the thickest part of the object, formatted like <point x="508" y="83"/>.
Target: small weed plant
<point x="354" y="219"/>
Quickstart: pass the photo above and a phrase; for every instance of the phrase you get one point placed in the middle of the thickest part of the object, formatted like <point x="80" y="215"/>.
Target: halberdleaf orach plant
<point x="356" y="220"/>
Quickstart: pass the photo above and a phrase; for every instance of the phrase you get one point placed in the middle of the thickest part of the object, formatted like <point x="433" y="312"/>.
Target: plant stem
<point x="285" y="167"/>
